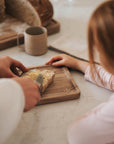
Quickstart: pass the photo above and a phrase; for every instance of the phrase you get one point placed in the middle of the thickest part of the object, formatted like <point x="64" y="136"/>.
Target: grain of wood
<point x="7" y="36"/>
<point x="62" y="88"/>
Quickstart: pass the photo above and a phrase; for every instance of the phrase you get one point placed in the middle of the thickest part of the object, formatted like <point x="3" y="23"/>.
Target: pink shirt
<point x="104" y="79"/>
<point x="97" y="126"/>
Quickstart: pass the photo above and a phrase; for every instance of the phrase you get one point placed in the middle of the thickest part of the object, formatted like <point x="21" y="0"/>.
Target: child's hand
<point x="68" y="61"/>
<point x="62" y="60"/>
<point x="8" y="67"/>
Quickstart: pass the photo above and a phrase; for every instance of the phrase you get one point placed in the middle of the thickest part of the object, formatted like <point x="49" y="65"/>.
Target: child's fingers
<point x="58" y="63"/>
<point x="48" y="62"/>
<point x="53" y="59"/>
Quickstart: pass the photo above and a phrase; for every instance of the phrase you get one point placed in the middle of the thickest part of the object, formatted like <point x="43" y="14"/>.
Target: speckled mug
<point x="35" y="39"/>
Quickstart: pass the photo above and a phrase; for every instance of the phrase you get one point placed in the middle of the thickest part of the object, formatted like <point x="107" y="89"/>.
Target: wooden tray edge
<point x="59" y="99"/>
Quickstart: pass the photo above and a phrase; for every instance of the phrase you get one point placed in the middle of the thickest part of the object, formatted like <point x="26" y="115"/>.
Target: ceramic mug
<point x="35" y="39"/>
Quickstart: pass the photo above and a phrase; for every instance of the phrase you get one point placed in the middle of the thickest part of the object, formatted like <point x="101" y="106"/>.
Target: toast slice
<point x="48" y="76"/>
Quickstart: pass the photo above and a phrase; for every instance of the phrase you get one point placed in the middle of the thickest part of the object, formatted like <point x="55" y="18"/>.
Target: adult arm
<point x="16" y="95"/>
<point x="11" y="107"/>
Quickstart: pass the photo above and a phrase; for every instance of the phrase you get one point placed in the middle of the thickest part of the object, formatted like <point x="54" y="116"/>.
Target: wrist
<point x="80" y="65"/>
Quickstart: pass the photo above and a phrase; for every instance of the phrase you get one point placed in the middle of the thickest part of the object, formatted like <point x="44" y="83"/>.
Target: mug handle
<point x="18" y="37"/>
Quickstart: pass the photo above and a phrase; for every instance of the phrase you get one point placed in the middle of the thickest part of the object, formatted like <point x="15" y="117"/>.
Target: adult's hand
<point x="8" y="67"/>
<point x="31" y="91"/>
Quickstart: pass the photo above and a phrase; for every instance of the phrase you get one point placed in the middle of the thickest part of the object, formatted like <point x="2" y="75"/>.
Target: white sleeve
<point x="11" y="107"/>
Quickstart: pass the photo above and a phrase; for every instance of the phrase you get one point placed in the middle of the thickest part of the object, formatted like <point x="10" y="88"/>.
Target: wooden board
<point x="62" y="88"/>
<point x="53" y="27"/>
<point x="11" y="26"/>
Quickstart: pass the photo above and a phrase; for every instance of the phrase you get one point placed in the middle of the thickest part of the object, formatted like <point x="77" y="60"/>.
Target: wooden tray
<point x="11" y="26"/>
<point x="63" y="87"/>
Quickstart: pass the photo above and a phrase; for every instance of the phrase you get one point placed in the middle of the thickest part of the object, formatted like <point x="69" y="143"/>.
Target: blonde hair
<point x="101" y="33"/>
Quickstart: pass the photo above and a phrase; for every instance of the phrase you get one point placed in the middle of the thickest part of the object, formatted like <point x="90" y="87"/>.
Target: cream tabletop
<point x="48" y="124"/>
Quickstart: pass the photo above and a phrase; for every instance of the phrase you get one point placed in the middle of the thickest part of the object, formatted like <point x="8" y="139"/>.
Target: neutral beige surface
<point x="48" y="124"/>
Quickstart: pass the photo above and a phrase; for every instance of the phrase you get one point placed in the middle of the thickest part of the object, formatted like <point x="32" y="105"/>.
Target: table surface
<point x="48" y="124"/>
